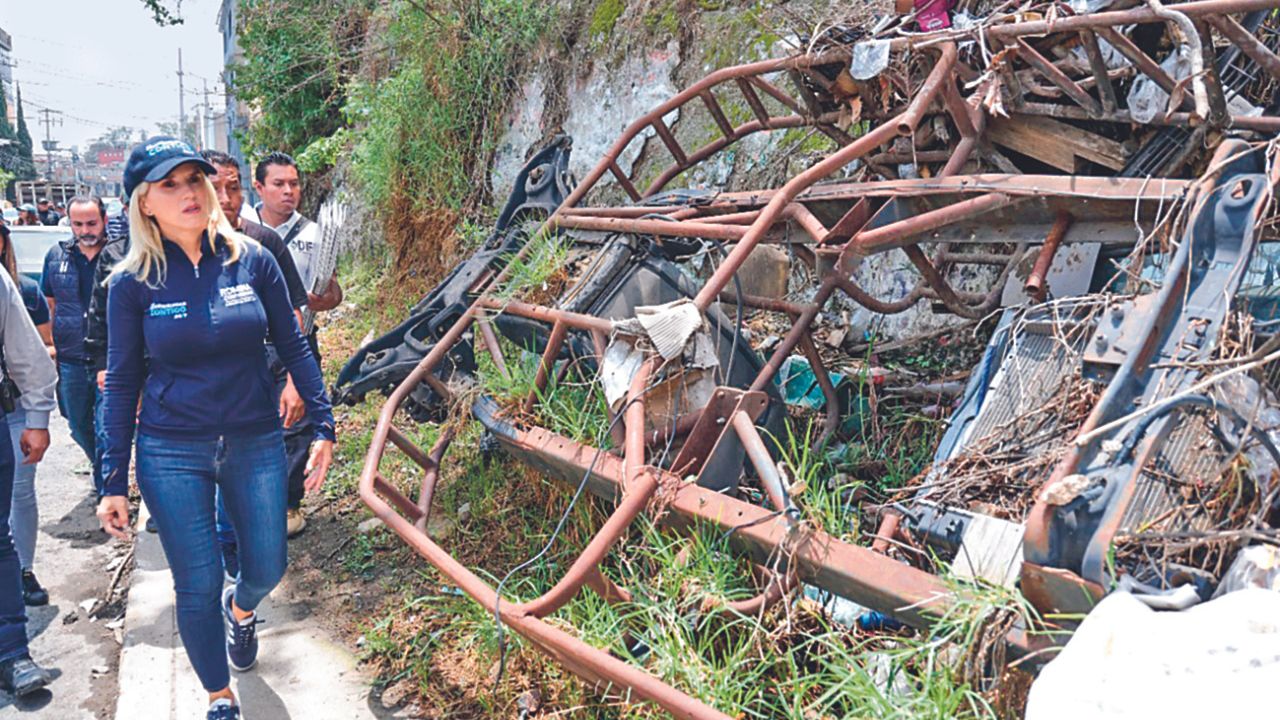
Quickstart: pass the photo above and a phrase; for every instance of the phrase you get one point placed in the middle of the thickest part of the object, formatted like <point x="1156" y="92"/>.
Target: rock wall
<point x="601" y="71"/>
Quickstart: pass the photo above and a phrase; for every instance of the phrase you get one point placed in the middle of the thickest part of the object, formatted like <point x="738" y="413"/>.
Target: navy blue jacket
<point x="37" y="308"/>
<point x="68" y="279"/>
<point x="202" y="332"/>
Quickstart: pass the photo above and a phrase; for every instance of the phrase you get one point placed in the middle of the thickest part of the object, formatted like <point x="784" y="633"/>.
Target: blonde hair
<point x="145" y="259"/>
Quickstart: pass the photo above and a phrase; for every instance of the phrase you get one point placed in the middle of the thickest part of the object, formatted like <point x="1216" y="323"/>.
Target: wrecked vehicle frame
<point x="832" y="226"/>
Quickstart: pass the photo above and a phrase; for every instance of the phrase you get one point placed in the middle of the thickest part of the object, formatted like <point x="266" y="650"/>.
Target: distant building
<point x="111" y="156"/>
<point x="6" y="76"/>
<point x="236" y="117"/>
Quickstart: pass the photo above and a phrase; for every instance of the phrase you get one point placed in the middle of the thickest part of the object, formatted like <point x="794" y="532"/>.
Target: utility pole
<point x="182" y="101"/>
<point x="204" y="126"/>
<point x="49" y="144"/>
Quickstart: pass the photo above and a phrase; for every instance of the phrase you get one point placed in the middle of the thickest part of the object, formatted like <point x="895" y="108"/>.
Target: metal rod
<point x="1035" y="286"/>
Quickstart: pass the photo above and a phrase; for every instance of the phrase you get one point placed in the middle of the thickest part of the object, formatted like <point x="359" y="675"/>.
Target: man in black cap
<point x="48" y="216"/>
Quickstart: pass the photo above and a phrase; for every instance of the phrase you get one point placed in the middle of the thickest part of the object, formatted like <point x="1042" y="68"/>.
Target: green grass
<point x="573" y="406"/>
<point x="546" y="255"/>
<point x="422" y="129"/>
<point x="603" y="18"/>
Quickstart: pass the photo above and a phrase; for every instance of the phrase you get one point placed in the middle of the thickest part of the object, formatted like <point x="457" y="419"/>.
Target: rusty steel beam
<point x="866" y="577"/>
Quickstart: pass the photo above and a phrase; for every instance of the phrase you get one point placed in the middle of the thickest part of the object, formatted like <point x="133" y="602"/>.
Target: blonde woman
<point x="188" y="310"/>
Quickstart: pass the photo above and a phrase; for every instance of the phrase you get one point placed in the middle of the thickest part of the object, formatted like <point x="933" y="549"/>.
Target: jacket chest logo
<point x="237" y="294"/>
<point x="175" y="310"/>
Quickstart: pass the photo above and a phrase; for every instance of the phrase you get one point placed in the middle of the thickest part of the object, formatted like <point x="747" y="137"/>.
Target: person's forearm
<point x="297" y="358"/>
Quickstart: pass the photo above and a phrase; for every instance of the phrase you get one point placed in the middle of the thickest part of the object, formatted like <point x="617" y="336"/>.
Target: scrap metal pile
<point x="1102" y="174"/>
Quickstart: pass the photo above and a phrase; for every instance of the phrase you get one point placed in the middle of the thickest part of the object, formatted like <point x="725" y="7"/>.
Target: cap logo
<point x="168" y="145"/>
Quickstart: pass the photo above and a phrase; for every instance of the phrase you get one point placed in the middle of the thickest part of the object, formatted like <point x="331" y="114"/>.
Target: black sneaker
<point x="22" y="676"/>
<point x="242" y="636"/>
<point x="32" y="593"/>
<point x="230" y="561"/>
<point x="223" y="709"/>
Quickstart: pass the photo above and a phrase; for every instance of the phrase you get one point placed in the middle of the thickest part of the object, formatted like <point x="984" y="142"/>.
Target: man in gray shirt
<point x="276" y="180"/>
<point x="27" y="365"/>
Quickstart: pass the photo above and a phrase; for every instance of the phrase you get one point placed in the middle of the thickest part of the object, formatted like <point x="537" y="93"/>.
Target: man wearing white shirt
<point x="276" y="180"/>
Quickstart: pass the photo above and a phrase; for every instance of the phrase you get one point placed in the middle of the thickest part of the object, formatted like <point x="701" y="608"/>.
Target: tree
<point x="10" y="157"/>
<point x="189" y="133"/>
<point x="162" y="15"/>
<point x="6" y="130"/>
<point x="116" y="137"/>
<point x="28" y="169"/>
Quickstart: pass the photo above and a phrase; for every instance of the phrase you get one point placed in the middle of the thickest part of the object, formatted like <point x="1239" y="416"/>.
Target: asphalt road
<point x="76" y="562"/>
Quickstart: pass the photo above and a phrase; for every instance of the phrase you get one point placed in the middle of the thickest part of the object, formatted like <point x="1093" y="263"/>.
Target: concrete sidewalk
<point x="76" y="562"/>
<point x="300" y="673"/>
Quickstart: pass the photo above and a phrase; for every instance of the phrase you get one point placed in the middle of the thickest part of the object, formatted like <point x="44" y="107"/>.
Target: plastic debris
<point x="868" y="59"/>
<point x="1257" y="566"/>
<point x="1220" y="659"/>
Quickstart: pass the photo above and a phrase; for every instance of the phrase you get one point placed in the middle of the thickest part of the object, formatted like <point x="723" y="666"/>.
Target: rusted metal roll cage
<point x="833" y="247"/>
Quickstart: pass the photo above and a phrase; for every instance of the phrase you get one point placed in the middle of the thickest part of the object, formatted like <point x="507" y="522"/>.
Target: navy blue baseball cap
<point x="157" y="157"/>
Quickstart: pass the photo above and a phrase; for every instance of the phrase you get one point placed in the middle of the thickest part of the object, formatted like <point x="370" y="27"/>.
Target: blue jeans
<point x="13" y="613"/>
<point x="77" y="396"/>
<point x="24" y="514"/>
<point x="178" y="479"/>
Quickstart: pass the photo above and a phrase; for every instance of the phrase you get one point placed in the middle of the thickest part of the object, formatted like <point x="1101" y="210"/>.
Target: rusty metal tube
<point x="430" y="476"/>
<point x="592" y="664"/>
<point x="548" y="315"/>
<point x="1247" y="43"/>
<point x="684" y="228"/>
<point x="1120" y="18"/>
<point x="831" y="417"/>
<point x="929" y="90"/>
<point x="750" y="127"/>
<point x="639" y="488"/>
<point x="902" y="232"/>
<point x="886" y="532"/>
<point x="804" y="180"/>
<point x="775" y="589"/>
<point x="1035" y="287"/>
<point x="799" y="328"/>
<point x="761" y="460"/>
<point x="807" y="220"/>
<point x="686" y="95"/>
<point x="491" y="344"/>
<point x="555" y="341"/>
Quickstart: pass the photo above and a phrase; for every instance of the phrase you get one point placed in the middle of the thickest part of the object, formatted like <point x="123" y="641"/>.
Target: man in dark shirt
<point x="231" y="198"/>
<point x="67" y="283"/>
<point x="48" y="216"/>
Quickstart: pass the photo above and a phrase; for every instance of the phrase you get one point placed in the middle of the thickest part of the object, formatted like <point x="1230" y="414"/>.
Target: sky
<point x="105" y="63"/>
